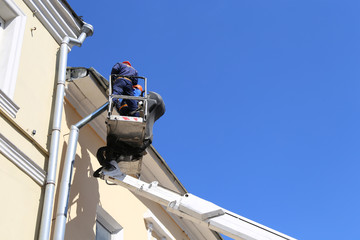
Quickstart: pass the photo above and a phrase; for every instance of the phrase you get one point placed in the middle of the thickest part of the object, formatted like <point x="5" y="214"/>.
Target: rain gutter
<point x="66" y="45"/>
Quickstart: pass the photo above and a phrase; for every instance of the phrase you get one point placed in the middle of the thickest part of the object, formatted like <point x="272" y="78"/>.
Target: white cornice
<point x="10" y="151"/>
<point x="8" y="105"/>
<point x="156" y="225"/>
<point x="57" y="18"/>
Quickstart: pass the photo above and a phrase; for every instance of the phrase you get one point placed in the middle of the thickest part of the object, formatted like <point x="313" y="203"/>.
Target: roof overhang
<point x="85" y="91"/>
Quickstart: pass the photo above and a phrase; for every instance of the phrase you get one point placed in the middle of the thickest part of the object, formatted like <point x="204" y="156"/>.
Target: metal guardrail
<point x="111" y="96"/>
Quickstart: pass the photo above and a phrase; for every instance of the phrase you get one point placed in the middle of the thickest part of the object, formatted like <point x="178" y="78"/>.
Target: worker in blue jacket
<point x="124" y="85"/>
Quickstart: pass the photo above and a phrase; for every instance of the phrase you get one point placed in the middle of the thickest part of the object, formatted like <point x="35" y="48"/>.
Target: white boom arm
<point x="199" y="210"/>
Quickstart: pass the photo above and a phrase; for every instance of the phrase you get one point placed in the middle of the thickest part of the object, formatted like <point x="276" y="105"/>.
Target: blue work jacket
<point x="125" y="70"/>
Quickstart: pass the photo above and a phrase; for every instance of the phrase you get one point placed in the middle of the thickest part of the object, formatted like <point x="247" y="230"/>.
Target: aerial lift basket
<point x="128" y="137"/>
<point x="127" y="129"/>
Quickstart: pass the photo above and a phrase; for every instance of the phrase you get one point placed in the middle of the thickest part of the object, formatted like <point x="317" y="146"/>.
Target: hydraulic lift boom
<point x="198" y="210"/>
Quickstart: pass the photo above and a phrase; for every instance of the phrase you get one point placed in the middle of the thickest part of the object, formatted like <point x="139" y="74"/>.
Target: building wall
<point x="22" y="196"/>
<point x="30" y="133"/>
<point x="34" y="92"/>
<point x="20" y="203"/>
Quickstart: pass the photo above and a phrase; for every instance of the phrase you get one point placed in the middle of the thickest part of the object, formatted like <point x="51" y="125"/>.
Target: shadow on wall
<point x="84" y="191"/>
<point x="84" y="198"/>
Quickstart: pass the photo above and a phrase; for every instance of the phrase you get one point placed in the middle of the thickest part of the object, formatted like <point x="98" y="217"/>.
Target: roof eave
<point x="57" y="17"/>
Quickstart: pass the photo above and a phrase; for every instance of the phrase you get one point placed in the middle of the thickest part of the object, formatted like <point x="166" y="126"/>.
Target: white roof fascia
<point x="56" y="17"/>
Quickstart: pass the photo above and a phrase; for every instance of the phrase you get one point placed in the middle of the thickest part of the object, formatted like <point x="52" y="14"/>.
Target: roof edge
<point x="162" y="161"/>
<point x="73" y="13"/>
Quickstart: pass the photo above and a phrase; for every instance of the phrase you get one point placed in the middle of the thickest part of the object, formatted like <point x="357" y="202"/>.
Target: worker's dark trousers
<point x="124" y="87"/>
<point x="127" y="108"/>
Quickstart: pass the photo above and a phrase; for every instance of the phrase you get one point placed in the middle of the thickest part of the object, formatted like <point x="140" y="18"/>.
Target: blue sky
<point x="262" y="101"/>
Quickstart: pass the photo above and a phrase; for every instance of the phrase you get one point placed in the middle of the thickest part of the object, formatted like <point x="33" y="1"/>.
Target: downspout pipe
<point x="66" y="45"/>
<point x="63" y="198"/>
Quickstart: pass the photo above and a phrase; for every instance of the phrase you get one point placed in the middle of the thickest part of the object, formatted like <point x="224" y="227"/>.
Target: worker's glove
<point x="140" y="104"/>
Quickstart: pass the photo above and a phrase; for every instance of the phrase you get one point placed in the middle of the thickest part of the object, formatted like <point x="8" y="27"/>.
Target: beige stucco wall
<point x="34" y="89"/>
<point x="36" y="80"/>
<point x="21" y="196"/>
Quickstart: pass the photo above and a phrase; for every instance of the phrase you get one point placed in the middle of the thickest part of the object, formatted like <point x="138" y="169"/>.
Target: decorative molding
<point x="105" y="219"/>
<point x="12" y="39"/>
<point x="107" y="227"/>
<point x="57" y="17"/>
<point x="8" y="105"/>
<point x="155" y="225"/>
<point x="22" y="161"/>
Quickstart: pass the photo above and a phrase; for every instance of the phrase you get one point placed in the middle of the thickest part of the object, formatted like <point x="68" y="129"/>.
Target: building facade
<point x="34" y="39"/>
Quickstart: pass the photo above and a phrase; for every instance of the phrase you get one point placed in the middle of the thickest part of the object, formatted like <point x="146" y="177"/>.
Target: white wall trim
<point x="153" y="222"/>
<point x="8" y="105"/>
<point x="11" y="152"/>
<point x="105" y="222"/>
<point x="56" y="18"/>
<point x="12" y="39"/>
<point x="15" y="47"/>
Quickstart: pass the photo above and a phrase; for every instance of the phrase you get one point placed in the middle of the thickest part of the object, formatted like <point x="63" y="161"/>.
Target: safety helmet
<point x="127" y="63"/>
<point x="138" y="87"/>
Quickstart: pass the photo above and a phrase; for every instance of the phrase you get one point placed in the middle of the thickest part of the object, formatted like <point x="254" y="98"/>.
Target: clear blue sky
<point x="262" y="98"/>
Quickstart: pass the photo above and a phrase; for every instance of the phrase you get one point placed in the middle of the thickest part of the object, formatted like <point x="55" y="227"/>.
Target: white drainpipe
<point x="66" y="45"/>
